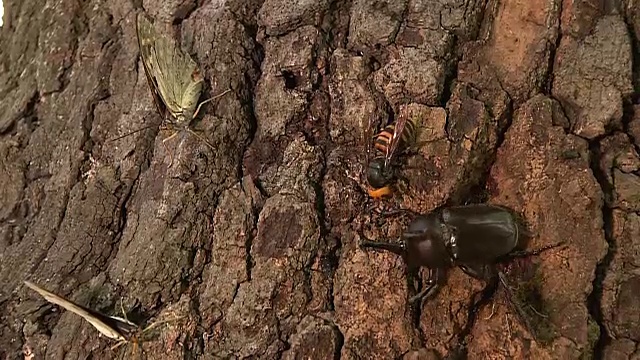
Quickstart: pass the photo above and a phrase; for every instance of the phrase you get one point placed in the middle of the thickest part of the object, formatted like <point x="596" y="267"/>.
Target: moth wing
<point x="191" y="81"/>
<point x="91" y="316"/>
<point x="147" y="36"/>
<point x="395" y="139"/>
<point x="180" y="80"/>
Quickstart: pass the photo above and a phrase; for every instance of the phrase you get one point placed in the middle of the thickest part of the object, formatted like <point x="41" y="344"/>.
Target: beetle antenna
<point x="526" y="253"/>
<point x="396" y="212"/>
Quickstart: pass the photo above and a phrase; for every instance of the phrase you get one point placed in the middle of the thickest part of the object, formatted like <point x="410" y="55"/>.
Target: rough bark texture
<point x="526" y="103"/>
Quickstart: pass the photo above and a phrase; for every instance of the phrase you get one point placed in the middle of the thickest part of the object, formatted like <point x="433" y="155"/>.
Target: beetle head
<point x="425" y="244"/>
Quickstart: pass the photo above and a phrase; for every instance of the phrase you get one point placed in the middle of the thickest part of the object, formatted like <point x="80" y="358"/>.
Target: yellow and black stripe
<point x="383" y="138"/>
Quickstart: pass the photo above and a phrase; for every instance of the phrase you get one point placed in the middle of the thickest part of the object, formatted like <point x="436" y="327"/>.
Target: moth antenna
<point x="124" y="314"/>
<point x="158" y="323"/>
<point x="120" y="343"/>
<point x="131" y="133"/>
<point x="167" y="149"/>
<point x="201" y="138"/>
<point x="209" y="100"/>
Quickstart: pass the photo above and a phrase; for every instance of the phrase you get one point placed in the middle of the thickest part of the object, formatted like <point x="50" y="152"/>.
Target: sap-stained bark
<point x="534" y="175"/>
<point x="455" y="149"/>
<point x="592" y="76"/>
<point x="428" y="173"/>
<point x="233" y="227"/>
<point x="281" y="94"/>
<point x="343" y="192"/>
<point x="275" y="21"/>
<point x="622" y="349"/>
<point x="622" y="283"/>
<point x="412" y="73"/>
<point x="267" y="309"/>
<point x="620" y="163"/>
<point x="374" y="23"/>
<point x="353" y="102"/>
<point x="453" y="154"/>
<point x="520" y="41"/>
<point x="444" y="316"/>
<point x="369" y="297"/>
<point x="315" y="339"/>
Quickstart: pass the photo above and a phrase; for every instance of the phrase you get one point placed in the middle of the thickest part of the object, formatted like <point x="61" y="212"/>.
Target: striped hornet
<point x="392" y="141"/>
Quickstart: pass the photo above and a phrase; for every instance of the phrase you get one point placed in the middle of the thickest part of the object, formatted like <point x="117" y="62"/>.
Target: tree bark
<point x="251" y="248"/>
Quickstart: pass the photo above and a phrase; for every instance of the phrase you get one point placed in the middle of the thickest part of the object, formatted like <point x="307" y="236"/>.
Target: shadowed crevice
<point x="594" y="300"/>
<point x="548" y="88"/>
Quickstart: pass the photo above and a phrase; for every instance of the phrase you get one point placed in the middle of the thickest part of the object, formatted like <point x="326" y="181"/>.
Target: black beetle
<point x="473" y="237"/>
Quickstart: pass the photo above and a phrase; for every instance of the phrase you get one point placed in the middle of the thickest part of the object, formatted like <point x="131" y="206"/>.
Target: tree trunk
<point x="250" y="249"/>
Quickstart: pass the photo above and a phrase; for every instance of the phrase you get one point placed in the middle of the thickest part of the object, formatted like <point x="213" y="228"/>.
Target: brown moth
<point x="113" y="327"/>
<point x="174" y="78"/>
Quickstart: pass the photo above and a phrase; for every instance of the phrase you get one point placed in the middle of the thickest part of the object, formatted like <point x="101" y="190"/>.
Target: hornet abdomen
<point x="383" y="138"/>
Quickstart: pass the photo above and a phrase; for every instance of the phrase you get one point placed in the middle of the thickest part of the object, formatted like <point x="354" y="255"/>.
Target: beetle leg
<point x="481" y="272"/>
<point x="485" y="272"/>
<point x="433" y="283"/>
<point x="397" y="249"/>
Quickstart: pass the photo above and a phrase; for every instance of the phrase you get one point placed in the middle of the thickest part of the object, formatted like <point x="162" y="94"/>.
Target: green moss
<point x="593" y="334"/>
<point x="532" y="309"/>
<point x="570" y="154"/>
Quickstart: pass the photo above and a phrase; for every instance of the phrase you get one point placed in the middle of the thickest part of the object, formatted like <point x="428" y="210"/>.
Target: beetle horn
<point x="397" y="249"/>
